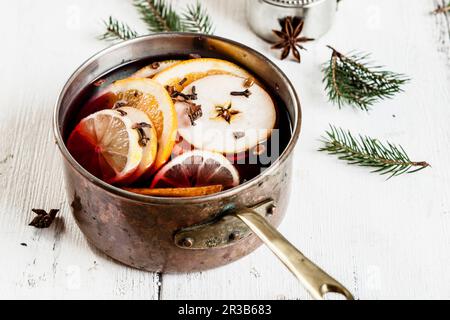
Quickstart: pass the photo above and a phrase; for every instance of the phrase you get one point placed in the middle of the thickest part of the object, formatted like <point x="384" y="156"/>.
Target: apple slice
<point x="233" y="118"/>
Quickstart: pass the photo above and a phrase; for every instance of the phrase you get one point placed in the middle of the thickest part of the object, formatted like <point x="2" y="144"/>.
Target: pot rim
<point x="168" y="200"/>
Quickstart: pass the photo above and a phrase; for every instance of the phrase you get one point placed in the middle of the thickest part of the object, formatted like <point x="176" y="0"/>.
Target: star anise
<point x="43" y="219"/>
<point x="226" y="112"/>
<point x="290" y="38"/>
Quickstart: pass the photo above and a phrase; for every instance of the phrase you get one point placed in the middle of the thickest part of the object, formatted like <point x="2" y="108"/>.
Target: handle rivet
<point x="187" y="242"/>
<point x="270" y="210"/>
<point x="234" y="236"/>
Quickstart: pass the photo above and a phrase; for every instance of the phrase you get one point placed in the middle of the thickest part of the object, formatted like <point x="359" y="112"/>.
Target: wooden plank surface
<point x="382" y="239"/>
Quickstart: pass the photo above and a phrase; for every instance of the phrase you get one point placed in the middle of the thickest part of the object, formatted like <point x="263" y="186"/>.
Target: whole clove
<point x="143" y="138"/>
<point x="174" y="94"/>
<point x="122" y="113"/>
<point x="141" y="125"/>
<point x="119" y="104"/>
<point x="155" y="65"/>
<point x="194" y="112"/>
<point x="246" y="93"/>
<point x="183" y="81"/>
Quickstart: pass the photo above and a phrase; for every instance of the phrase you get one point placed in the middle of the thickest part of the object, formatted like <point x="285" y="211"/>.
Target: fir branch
<point x="442" y="9"/>
<point x="116" y="30"/>
<point x="368" y="152"/>
<point x="196" y="19"/>
<point x="159" y="15"/>
<point x="354" y="81"/>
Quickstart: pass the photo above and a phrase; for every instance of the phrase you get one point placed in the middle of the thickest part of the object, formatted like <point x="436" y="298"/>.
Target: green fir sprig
<point x="386" y="158"/>
<point x="196" y="19"/>
<point x="159" y="15"/>
<point x="116" y="30"/>
<point x="353" y="80"/>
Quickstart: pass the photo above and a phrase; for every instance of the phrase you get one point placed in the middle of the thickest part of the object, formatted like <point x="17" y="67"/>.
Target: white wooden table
<point x="382" y="239"/>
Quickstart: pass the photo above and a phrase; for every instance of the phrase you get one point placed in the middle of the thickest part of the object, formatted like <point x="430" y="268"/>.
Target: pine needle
<point x="116" y="30"/>
<point x="387" y="158"/>
<point x="353" y="80"/>
<point x="159" y="15"/>
<point x="196" y="19"/>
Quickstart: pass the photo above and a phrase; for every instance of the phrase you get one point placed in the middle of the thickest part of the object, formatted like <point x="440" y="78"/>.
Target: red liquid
<point x="248" y="164"/>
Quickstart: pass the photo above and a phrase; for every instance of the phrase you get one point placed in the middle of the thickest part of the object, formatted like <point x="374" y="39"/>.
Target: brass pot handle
<point x="315" y="280"/>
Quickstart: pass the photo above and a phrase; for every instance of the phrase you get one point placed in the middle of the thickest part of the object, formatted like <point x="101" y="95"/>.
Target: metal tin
<point x="265" y="16"/>
<point x="139" y="230"/>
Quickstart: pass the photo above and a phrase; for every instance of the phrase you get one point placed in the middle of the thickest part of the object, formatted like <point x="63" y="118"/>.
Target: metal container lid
<point x="291" y="3"/>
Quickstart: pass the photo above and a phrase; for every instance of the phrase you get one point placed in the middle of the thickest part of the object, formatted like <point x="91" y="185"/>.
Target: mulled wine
<point x="175" y="126"/>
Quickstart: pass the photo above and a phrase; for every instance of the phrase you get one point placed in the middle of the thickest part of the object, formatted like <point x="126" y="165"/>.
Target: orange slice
<point x="196" y="169"/>
<point x="177" y="192"/>
<point x="184" y="73"/>
<point x="149" y="96"/>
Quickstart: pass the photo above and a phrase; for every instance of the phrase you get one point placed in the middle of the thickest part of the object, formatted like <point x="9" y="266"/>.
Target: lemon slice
<point x="149" y="96"/>
<point x="106" y="145"/>
<point x="233" y="120"/>
<point x="184" y="73"/>
<point x="152" y="69"/>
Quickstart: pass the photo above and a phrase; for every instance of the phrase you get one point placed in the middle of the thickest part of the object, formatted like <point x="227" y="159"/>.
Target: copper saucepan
<point x="188" y="234"/>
